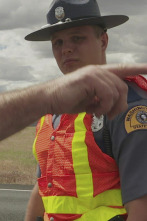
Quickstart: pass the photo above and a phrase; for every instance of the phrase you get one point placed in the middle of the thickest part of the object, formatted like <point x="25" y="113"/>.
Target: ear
<point x="104" y="41"/>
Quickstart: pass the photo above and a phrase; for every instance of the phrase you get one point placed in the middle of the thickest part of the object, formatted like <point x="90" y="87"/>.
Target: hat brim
<point x="106" y="22"/>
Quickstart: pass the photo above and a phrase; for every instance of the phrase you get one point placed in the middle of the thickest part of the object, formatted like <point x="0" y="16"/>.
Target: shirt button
<point x="52" y="219"/>
<point x="52" y="138"/>
<point x="49" y="185"/>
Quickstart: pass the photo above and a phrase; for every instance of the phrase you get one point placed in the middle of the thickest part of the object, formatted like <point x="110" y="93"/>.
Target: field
<point x="17" y="163"/>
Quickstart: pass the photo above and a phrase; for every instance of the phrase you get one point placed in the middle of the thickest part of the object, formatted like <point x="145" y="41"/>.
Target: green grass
<point x="17" y="163"/>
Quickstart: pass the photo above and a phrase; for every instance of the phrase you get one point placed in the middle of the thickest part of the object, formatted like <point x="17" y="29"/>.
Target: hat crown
<point x="65" y="14"/>
<point x="60" y="10"/>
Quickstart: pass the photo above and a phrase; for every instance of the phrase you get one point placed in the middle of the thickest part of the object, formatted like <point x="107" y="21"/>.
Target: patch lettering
<point x="136" y="119"/>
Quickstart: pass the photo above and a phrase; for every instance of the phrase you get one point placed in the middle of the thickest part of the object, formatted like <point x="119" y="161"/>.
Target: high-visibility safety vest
<point x="78" y="181"/>
<point x="76" y="176"/>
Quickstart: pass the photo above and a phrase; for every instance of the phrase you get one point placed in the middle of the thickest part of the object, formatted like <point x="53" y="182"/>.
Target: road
<point x="13" y="202"/>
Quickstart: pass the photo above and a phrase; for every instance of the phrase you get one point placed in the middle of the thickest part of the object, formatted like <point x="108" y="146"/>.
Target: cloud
<point x="131" y="7"/>
<point x="24" y="63"/>
<point x="17" y="71"/>
<point x="22" y="14"/>
<point x="129" y="39"/>
<point x="42" y="49"/>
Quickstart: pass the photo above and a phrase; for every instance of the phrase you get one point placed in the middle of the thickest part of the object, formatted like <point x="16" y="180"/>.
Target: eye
<point x="57" y="43"/>
<point x="77" y="39"/>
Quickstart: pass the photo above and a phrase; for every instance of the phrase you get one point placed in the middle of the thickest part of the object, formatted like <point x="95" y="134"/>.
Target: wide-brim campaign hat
<point x="65" y="14"/>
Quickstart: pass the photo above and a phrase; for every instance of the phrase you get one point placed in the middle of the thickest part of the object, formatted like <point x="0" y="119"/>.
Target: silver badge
<point x="97" y="123"/>
<point x="142" y="117"/>
<point x="59" y="13"/>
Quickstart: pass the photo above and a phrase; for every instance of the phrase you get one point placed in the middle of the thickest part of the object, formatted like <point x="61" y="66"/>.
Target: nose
<point x="67" y="48"/>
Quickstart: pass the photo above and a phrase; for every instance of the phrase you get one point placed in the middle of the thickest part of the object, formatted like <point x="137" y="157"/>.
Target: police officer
<point x="90" y="167"/>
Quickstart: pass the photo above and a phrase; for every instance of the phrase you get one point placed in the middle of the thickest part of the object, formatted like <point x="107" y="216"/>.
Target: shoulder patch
<point x="136" y="119"/>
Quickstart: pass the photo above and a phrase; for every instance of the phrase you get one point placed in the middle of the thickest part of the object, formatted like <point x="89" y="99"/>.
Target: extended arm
<point x="94" y="89"/>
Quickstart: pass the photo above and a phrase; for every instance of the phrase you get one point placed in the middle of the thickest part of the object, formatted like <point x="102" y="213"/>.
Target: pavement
<point x="13" y="201"/>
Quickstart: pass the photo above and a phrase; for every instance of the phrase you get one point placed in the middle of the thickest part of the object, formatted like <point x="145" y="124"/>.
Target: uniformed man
<point x="90" y="167"/>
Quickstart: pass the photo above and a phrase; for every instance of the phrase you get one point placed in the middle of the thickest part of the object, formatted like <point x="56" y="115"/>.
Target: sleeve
<point x="38" y="171"/>
<point x="129" y="137"/>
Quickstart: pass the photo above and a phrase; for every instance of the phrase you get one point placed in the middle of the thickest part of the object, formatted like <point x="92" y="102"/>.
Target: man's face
<point x="77" y="47"/>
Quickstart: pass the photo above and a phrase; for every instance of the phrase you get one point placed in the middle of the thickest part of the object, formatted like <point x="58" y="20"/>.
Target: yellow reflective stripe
<point x="101" y="213"/>
<point x="34" y="144"/>
<point x="84" y="182"/>
<point x="81" y="205"/>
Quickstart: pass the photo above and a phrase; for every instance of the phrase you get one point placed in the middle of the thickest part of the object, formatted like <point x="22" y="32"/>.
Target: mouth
<point x="70" y="61"/>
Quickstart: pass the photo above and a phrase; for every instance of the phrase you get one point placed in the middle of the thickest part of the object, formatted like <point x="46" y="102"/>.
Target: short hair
<point x="98" y="30"/>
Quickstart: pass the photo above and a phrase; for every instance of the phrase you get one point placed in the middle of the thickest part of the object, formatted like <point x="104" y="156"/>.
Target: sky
<point x="24" y="63"/>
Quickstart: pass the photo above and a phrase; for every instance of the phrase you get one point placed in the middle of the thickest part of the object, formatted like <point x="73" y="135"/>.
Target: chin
<point x="70" y="68"/>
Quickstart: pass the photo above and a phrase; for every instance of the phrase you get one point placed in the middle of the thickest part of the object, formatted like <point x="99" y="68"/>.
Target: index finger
<point x="125" y="70"/>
